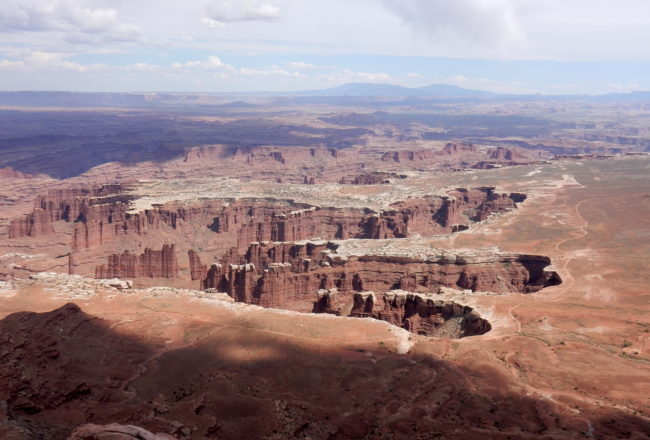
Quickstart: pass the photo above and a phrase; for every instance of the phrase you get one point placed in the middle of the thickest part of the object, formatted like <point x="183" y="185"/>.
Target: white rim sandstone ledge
<point x="148" y="193"/>
<point x="418" y="249"/>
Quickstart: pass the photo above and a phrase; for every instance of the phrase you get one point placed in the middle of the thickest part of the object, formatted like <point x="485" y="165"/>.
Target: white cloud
<point x="213" y="24"/>
<point x="272" y="71"/>
<point x="232" y="11"/>
<point x="143" y="67"/>
<point x="56" y="61"/>
<point x="299" y="65"/>
<point x="477" y="22"/>
<point x="374" y="76"/>
<point x="212" y="63"/>
<point x="78" y="20"/>
<point x="9" y="64"/>
<point x="348" y="41"/>
<point x="342" y="76"/>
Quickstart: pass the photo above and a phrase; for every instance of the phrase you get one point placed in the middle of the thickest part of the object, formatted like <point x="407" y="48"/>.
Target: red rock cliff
<point x="420" y="314"/>
<point x="150" y="264"/>
<point x="289" y="275"/>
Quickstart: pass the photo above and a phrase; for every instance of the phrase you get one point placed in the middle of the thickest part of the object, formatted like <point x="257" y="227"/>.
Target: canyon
<point x="324" y="271"/>
<point x="262" y="261"/>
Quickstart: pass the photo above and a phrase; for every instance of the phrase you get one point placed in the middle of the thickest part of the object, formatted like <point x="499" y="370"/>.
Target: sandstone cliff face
<point x="150" y="264"/>
<point x="289" y="275"/>
<point x="100" y="215"/>
<point x="502" y="153"/>
<point x="420" y="314"/>
<point x="103" y="226"/>
<point x="428" y="155"/>
<point x="197" y="270"/>
<point x="458" y="148"/>
<point x="261" y="154"/>
<point x="57" y="205"/>
<point x="373" y="178"/>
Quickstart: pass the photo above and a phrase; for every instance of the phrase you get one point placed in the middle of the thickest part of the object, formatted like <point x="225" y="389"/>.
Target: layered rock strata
<point x="57" y="205"/>
<point x="418" y="313"/>
<point x="290" y="275"/>
<point x="110" y="239"/>
<point x="150" y="264"/>
<point x="102" y="213"/>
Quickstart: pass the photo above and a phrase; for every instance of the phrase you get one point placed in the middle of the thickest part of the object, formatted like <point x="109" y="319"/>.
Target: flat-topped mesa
<point x="289" y="275"/>
<point x="418" y="313"/>
<point x="502" y="153"/>
<point x="262" y="162"/>
<point x="426" y="155"/>
<point x="102" y="213"/>
<point x="257" y="155"/>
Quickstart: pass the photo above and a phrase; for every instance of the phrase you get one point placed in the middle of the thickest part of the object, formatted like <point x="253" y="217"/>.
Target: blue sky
<point x="512" y="46"/>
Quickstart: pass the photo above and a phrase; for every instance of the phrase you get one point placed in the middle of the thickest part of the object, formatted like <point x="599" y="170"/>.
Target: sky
<point x="508" y="46"/>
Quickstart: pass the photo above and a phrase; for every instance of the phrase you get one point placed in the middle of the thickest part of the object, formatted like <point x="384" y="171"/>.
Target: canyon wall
<point x="289" y="275"/>
<point x="420" y="314"/>
<point x="57" y="205"/>
<point x="150" y="264"/>
<point x="107" y="235"/>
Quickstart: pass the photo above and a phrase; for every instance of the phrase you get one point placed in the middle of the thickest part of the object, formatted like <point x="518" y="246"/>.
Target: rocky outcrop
<point x="502" y="153"/>
<point x="197" y="270"/>
<point x="253" y="155"/>
<point x="150" y="264"/>
<point x="373" y="178"/>
<point x="115" y="431"/>
<point x="290" y="275"/>
<point x="452" y="148"/>
<point x="102" y="214"/>
<point x="420" y="314"/>
<point x="59" y="205"/>
<point x="113" y="240"/>
<point x="428" y="155"/>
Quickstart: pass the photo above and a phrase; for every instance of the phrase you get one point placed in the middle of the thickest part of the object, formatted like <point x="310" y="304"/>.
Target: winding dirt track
<point x="548" y="394"/>
<point x="570" y="279"/>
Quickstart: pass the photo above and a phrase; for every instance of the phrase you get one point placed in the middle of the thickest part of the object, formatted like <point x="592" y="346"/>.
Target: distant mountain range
<point x="352" y="93"/>
<point x="389" y="90"/>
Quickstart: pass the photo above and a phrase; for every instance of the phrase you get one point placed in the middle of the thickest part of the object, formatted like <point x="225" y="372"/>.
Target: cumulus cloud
<point x="343" y="76"/>
<point x="212" y="63"/>
<point x="484" y="22"/>
<point x="272" y="71"/>
<point x="74" y="18"/>
<point x="56" y="61"/>
<point x="48" y="61"/>
<point x="216" y="65"/>
<point x="232" y="11"/>
<point x="300" y="65"/>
